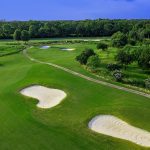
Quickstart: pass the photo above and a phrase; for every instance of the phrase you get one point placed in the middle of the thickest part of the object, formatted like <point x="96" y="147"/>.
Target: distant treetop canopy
<point x="84" y="28"/>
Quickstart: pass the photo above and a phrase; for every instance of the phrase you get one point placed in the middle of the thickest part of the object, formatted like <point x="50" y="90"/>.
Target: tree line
<point x="124" y="56"/>
<point x="84" y="28"/>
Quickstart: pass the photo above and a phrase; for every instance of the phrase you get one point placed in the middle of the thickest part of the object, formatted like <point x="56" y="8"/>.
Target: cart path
<point x="86" y="77"/>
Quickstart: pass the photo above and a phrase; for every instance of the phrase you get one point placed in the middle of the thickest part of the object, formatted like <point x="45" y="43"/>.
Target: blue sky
<point x="73" y="9"/>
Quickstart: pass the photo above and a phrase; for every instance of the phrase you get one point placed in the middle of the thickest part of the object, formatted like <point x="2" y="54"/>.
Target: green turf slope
<point x="23" y="126"/>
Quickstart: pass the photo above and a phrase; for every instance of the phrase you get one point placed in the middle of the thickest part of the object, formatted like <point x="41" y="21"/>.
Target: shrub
<point x="102" y="46"/>
<point x="134" y="82"/>
<point x="132" y="42"/>
<point x="83" y="57"/>
<point x="146" y="41"/>
<point x="136" y="53"/>
<point x="93" y="62"/>
<point x="119" y="39"/>
<point x="144" y="58"/>
<point x="117" y="74"/>
<point x="147" y="83"/>
<point x="124" y="56"/>
<point x="112" y="67"/>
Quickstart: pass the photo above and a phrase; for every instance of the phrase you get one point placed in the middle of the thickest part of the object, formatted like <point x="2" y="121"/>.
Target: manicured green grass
<point x="67" y="59"/>
<point x="26" y="127"/>
<point x="7" y="49"/>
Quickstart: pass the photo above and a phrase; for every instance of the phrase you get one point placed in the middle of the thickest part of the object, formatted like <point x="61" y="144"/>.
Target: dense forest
<point x="84" y="28"/>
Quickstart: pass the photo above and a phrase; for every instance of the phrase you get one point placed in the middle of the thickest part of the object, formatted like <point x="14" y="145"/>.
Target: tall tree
<point x="144" y="58"/>
<point x="93" y="62"/>
<point x="124" y="56"/>
<point x="17" y="35"/>
<point x="119" y="39"/>
<point x="7" y="30"/>
<point x="43" y="32"/>
<point x="25" y="36"/>
<point x="33" y="31"/>
<point x="83" y="57"/>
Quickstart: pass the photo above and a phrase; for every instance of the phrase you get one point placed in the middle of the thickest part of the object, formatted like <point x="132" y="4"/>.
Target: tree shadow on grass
<point x="1" y="65"/>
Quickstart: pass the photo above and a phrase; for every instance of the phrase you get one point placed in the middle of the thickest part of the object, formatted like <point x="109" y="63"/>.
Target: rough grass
<point x="10" y="49"/>
<point x="67" y="59"/>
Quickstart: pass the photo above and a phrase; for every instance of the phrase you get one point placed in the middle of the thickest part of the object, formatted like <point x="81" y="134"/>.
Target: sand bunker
<point x="67" y="49"/>
<point x="96" y="40"/>
<point x="47" y="97"/>
<point x="113" y="126"/>
<point x="45" y="47"/>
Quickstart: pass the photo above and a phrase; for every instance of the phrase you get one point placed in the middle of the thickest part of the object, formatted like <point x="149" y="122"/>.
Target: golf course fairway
<point x="25" y="126"/>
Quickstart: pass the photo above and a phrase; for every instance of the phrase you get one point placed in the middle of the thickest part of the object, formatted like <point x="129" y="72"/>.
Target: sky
<point x="74" y="9"/>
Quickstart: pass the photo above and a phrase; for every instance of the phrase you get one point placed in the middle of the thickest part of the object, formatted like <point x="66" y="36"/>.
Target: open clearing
<point x="47" y="97"/>
<point x="24" y="126"/>
<point x="113" y="126"/>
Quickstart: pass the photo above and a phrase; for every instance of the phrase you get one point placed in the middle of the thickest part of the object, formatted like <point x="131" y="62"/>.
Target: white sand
<point x="97" y="40"/>
<point x="47" y="97"/>
<point x="68" y="49"/>
<point x="45" y="47"/>
<point x="113" y="126"/>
